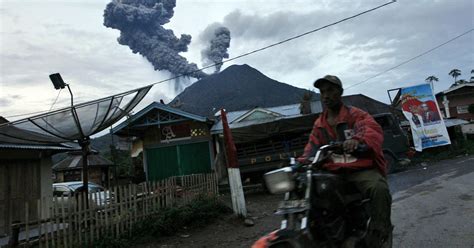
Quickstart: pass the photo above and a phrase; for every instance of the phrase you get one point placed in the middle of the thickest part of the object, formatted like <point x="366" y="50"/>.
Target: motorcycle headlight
<point x="280" y="181"/>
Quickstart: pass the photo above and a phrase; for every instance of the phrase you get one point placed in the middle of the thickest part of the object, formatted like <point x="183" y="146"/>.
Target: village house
<point x="266" y="137"/>
<point x="25" y="174"/>
<point x="70" y="168"/>
<point x="171" y="142"/>
<point x="455" y="101"/>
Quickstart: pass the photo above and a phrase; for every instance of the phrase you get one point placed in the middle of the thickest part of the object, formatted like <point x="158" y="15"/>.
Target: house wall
<point x="156" y="135"/>
<point x="25" y="177"/>
<point x="178" y="134"/>
<point x="461" y="97"/>
<point x="97" y="175"/>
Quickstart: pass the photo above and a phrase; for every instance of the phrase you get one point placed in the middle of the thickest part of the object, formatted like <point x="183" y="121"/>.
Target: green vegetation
<point x="471" y="109"/>
<point x="170" y="221"/>
<point x="455" y="73"/>
<point x="122" y="160"/>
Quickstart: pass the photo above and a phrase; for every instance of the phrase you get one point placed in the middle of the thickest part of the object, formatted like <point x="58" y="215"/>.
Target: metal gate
<point x="178" y="160"/>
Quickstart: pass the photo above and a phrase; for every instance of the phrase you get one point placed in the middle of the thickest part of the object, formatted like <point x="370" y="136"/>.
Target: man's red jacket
<point x="365" y="129"/>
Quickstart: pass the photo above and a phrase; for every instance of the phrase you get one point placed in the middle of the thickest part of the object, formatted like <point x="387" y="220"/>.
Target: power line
<point x="411" y="59"/>
<point x="277" y="43"/>
<point x="251" y="52"/>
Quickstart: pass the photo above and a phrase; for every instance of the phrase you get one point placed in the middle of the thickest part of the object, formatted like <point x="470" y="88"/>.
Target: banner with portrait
<point x="421" y="109"/>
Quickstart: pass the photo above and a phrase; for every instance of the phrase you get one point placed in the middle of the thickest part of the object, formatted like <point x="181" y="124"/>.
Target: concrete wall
<point x="461" y="97"/>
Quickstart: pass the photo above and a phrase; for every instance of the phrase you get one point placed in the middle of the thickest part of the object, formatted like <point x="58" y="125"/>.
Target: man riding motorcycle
<point x="352" y="126"/>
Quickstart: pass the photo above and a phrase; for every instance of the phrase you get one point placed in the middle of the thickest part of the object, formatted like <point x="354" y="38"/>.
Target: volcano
<point x="238" y="87"/>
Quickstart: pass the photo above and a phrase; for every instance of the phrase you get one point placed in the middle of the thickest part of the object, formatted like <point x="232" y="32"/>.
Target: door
<point x="162" y="162"/>
<point x="185" y="159"/>
<point x="194" y="158"/>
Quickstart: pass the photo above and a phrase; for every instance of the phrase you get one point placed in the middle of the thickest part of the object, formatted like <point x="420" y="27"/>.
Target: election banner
<point x="421" y="109"/>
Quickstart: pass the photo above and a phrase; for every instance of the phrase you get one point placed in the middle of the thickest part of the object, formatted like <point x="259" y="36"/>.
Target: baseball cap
<point x="328" y="78"/>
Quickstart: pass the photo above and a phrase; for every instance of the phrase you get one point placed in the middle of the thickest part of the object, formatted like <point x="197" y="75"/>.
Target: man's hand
<point x="350" y="145"/>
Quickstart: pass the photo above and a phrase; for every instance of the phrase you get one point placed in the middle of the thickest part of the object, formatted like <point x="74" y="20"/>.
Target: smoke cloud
<point x="218" y="37"/>
<point x="141" y="28"/>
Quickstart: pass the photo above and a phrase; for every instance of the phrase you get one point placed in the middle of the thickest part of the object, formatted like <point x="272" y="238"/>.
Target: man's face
<point x="330" y="95"/>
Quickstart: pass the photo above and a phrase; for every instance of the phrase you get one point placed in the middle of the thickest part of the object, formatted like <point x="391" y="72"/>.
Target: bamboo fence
<point x="68" y="222"/>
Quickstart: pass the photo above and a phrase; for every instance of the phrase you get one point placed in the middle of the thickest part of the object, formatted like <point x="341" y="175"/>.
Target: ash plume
<point x="219" y="41"/>
<point x="141" y="28"/>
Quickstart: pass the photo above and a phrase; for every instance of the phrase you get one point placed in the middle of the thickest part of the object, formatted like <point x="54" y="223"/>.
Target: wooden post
<point x="237" y="192"/>
<point x="15" y="236"/>
<point x="64" y="222"/>
<point x="235" y="181"/>
<point x="27" y="220"/>
<point x="38" y="215"/>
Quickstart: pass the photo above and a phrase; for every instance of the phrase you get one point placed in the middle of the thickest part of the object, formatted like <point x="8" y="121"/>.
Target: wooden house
<point x="171" y="141"/>
<point x="70" y="168"/>
<point x="25" y="174"/>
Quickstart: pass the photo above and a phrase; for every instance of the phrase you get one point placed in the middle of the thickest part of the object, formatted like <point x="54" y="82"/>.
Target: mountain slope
<point x="238" y="87"/>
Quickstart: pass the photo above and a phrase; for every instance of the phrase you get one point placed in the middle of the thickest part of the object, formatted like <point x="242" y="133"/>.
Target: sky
<point x="41" y="37"/>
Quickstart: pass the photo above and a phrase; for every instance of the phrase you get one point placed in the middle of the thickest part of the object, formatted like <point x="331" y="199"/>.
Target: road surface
<point x="433" y="206"/>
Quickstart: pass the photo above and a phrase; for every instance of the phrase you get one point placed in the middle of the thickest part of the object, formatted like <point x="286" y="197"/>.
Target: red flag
<point x="230" y="148"/>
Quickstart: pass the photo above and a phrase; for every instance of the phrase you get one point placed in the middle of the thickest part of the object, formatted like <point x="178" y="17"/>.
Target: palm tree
<point x="472" y="76"/>
<point x="430" y="79"/>
<point x="455" y="73"/>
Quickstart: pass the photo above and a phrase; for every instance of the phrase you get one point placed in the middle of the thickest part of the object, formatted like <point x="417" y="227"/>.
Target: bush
<point x="470" y="109"/>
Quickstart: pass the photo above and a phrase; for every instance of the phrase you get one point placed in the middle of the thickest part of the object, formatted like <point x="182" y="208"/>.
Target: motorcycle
<point x="320" y="209"/>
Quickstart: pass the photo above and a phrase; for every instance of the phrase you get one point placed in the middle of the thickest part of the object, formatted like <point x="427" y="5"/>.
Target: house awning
<point x="454" y="122"/>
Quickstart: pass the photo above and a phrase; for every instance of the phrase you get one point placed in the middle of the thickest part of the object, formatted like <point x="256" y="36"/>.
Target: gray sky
<point x="41" y="37"/>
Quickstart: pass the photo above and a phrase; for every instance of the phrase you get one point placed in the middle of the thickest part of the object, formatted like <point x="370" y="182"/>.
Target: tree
<point x="455" y="73"/>
<point x="462" y="81"/>
<point x="470" y="109"/>
<point x="472" y="76"/>
<point x="430" y="79"/>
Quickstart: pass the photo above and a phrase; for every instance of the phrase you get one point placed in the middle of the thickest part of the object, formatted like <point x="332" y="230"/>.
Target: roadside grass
<point x="170" y="221"/>
<point x="462" y="148"/>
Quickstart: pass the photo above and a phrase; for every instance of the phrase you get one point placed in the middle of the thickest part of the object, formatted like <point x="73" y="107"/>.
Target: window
<point x="462" y="109"/>
<point x="59" y="191"/>
<point x="257" y="114"/>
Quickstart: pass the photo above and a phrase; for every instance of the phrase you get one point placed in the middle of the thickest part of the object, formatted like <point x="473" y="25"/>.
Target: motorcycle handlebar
<point x="337" y="146"/>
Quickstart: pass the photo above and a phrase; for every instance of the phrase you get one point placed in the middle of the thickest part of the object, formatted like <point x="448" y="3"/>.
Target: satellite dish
<point x="81" y="120"/>
<point x="75" y="123"/>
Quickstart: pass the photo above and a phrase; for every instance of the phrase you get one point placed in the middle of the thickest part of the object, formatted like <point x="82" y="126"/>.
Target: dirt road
<point x="229" y="231"/>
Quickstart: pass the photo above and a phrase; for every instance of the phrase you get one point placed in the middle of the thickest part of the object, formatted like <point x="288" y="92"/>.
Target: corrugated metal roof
<point x="34" y="147"/>
<point x="157" y="105"/>
<point x="459" y="86"/>
<point x="361" y="101"/>
<point x="17" y="138"/>
<point x="74" y="161"/>
<point x="367" y="104"/>
<point x="286" y="112"/>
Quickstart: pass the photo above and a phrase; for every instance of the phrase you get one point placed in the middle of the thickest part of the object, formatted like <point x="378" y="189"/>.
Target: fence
<point x="70" y="222"/>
